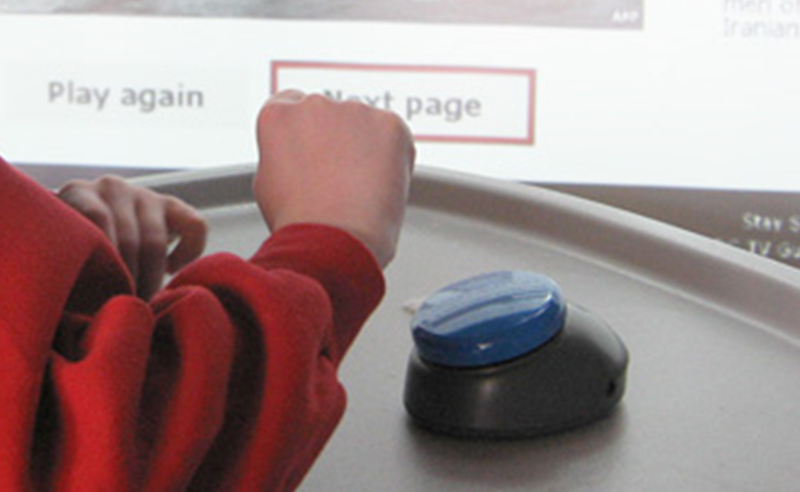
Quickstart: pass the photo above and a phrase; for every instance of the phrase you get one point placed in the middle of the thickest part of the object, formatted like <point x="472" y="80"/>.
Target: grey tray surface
<point x="713" y="396"/>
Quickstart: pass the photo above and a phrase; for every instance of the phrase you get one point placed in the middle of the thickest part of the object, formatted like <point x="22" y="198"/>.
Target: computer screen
<point x="686" y="111"/>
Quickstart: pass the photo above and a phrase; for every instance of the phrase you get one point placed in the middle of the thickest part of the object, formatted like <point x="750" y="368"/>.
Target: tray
<point x="713" y="396"/>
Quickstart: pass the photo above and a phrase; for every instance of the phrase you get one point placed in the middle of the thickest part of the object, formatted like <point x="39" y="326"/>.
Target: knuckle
<point x="112" y="185"/>
<point x="189" y="214"/>
<point x="358" y="107"/>
<point x="110" y="181"/>
<point x="72" y="186"/>
<point x="317" y="99"/>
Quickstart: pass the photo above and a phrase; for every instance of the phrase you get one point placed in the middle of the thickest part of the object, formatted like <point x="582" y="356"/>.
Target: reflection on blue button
<point x="488" y="319"/>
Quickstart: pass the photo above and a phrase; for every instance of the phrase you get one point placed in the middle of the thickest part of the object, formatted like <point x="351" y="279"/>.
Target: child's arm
<point x="141" y="224"/>
<point x="227" y="380"/>
<point x="333" y="177"/>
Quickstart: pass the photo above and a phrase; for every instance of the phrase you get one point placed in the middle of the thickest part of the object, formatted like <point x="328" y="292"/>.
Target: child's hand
<point x="342" y="164"/>
<point x="141" y="224"/>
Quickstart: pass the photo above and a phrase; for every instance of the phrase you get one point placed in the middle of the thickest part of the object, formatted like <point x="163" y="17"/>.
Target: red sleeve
<point x="226" y="381"/>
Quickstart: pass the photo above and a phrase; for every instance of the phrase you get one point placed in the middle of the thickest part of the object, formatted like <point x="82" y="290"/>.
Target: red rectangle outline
<point x="528" y="139"/>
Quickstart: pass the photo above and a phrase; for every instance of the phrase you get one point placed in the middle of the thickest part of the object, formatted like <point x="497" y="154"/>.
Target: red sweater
<point x="226" y="381"/>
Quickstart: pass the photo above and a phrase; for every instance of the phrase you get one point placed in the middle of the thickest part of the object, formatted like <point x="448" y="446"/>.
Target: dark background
<point x="573" y="13"/>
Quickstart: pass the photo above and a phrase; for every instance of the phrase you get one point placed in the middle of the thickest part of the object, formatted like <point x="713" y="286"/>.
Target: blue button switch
<point x="488" y="319"/>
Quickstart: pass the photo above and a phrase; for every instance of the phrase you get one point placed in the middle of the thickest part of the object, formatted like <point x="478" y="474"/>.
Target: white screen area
<point x="627" y="94"/>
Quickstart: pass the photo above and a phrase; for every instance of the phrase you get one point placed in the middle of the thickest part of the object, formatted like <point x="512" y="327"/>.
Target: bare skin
<point x="142" y="225"/>
<point x="341" y="164"/>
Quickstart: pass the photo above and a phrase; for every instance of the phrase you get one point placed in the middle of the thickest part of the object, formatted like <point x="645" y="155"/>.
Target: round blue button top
<point x="488" y="319"/>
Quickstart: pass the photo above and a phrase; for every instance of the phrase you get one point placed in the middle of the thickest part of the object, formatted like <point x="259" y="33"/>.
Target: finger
<point x="184" y="221"/>
<point x="154" y="240"/>
<point x="287" y="96"/>
<point x="126" y="226"/>
<point x="88" y="203"/>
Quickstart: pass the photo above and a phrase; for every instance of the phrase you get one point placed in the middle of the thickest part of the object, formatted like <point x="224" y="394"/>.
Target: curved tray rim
<point x="684" y="262"/>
